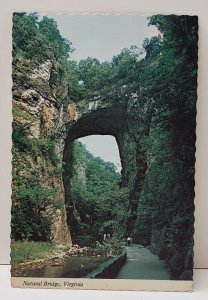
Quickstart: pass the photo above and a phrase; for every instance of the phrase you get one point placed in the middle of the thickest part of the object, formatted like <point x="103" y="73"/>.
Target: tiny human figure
<point x="128" y="241"/>
<point x="104" y="236"/>
<point x="131" y="241"/>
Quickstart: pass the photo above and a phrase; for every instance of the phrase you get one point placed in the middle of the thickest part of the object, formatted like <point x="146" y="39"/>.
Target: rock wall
<point x="43" y="107"/>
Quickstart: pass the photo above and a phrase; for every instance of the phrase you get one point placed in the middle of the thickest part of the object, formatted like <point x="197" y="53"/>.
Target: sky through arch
<point x="104" y="146"/>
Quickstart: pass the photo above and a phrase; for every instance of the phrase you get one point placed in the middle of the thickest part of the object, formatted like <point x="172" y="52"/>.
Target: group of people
<point x="106" y="236"/>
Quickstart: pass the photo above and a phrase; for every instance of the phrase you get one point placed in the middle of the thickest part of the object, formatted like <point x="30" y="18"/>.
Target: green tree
<point x="168" y="89"/>
<point x="32" y="211"/>
<point x="61" y="47"/>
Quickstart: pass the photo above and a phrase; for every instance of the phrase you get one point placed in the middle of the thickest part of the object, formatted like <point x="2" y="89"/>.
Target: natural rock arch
<point x="96" y="116"/>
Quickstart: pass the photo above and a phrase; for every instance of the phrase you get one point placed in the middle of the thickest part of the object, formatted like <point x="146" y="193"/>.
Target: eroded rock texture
<point x="43" y="107"/>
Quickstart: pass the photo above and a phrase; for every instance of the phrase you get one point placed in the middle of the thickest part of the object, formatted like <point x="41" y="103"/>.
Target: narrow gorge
<point x="150" y="114"/>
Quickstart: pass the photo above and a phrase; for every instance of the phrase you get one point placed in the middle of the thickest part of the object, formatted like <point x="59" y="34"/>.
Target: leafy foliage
<point x="112" y="246"/>
<point x="96" y="76"/>
<point x="37" y="39"/>
<point x="33" y="202"/>
<point x="169" y="93"/>
<point x="32" y="211"/>
<point x="36" y="146"/>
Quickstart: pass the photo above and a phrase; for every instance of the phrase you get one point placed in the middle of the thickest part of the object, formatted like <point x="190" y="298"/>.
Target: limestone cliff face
<point x="43" y="107"/>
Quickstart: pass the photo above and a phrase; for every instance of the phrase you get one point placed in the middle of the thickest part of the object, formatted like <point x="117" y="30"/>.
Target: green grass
<point x="27" y="251"/>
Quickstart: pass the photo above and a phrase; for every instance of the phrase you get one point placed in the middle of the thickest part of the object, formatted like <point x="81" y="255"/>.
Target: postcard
<point x="104" y="118"/>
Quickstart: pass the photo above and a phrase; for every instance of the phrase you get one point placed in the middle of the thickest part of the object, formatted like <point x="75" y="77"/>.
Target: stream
<point x="73" y="266"/>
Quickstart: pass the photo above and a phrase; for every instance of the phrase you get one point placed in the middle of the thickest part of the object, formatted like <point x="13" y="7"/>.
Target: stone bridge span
<point x="104" y="117"/>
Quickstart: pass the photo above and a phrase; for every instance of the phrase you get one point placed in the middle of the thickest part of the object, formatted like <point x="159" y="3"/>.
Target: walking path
<point x="142" y="264"/>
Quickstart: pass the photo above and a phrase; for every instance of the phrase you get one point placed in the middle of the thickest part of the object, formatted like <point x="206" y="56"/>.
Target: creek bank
<point x="74" y="262"/>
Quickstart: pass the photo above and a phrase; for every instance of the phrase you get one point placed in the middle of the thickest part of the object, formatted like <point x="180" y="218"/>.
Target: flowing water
<point x="75" y="266"/>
